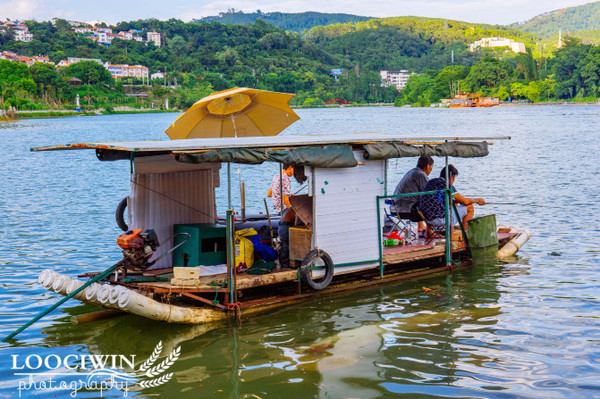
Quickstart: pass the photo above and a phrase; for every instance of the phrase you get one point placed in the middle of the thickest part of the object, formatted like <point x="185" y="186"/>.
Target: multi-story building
<point x="153" y="37"/>
<point x="10" y="56"/>
<point x="43" y="59"/>
<point x="104" y="38"/>
<point x="20" y="30"/>
<point x="74" y="60"/>
<point x="497" y="42"/>
<point x="102" y="30"/>
<point x="82" y="29"/>
<point x="116" y="71"/>
<point x="124" y="71"/>
<point x="395" y="78"/>
<point x="138" y="71"/>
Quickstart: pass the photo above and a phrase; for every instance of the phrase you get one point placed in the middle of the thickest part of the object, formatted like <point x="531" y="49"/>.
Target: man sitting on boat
<point x="413" y="182"/>
<point x="432" y="205"/>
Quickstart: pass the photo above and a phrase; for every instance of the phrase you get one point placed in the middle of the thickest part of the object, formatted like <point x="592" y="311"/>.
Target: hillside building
<point x="20" y="30"/>
<point x="125" y="71"/>
<point x="157" y="75"/>
<point x="153" y="37"/>
<point x="498" y="42"/>
<point x="74" y="60"/>
<point x="395" y="78"/>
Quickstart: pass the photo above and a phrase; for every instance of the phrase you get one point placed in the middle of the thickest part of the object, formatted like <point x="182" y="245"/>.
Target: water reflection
<point x="355" y="345"/>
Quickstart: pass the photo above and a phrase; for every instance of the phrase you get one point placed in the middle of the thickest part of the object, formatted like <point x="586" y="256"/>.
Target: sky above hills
<point x="112" y="11"/>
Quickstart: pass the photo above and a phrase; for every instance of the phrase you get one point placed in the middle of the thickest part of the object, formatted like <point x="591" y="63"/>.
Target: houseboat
<point x="337" y="244"/>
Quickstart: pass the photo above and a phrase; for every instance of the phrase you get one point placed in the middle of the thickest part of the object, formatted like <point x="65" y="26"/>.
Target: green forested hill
<point x="408" y="42"/>
<point x="571" y="19"/>
<point x="203" y="57"/>
<point x="296" y="22"/>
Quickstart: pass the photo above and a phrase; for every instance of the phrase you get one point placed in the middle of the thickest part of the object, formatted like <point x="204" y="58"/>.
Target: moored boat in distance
<point x="336" y="244"/>
<point x="470" y="100"/>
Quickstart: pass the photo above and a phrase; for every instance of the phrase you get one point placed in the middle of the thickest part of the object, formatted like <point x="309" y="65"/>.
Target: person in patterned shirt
<point x="285" y="184"/>
<point x="282" y="181"/>
<point x="432" y="205"/>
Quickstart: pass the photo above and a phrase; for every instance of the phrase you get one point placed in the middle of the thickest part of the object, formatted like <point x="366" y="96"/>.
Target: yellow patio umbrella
<point x="235" y="112"/>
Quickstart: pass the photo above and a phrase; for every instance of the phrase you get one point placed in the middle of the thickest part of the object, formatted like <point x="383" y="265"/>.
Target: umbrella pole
<point x="228" y="185"/>
<point x="230" y="231"/>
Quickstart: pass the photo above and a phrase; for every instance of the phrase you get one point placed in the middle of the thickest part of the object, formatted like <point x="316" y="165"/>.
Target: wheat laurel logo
<point x="154" y="374"/>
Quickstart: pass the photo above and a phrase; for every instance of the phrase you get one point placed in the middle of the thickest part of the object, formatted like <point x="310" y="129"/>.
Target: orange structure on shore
<point x="468" y="100"/>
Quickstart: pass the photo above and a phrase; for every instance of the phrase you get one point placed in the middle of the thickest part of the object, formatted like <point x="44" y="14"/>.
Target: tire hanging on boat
<point x="308" y="264"/>
<point x="120" y="214"/>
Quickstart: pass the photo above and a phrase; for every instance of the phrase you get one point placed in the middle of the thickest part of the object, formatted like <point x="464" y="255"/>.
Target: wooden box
<point x="300" y="243"/>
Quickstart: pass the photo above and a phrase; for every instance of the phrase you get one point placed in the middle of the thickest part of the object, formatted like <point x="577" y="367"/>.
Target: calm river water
<point x="526" y="328"/>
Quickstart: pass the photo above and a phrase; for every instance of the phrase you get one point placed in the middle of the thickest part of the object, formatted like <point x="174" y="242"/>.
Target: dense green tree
<point x="418" y="90"/>
<point x="485" y="75"/>
<point x="89" y="72"/>
<point x="446" y="81"/>
<point x="566" y="68"/>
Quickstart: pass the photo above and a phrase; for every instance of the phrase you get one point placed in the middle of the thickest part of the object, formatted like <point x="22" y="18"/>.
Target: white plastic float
<point x="126" y="300"/>
<point x="511" y="247"/>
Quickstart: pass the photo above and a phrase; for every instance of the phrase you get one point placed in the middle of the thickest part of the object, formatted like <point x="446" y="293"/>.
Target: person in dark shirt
<point x="413" y="182"/>
<point x="432" y="205"/>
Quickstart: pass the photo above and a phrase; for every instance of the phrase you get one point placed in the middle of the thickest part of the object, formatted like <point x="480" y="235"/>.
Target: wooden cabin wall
<point x="165" y="192"/>
<point x="346" y="212"/>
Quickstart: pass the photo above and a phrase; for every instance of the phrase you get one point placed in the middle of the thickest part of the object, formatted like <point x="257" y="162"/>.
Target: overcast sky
<point x="112" y="11"/>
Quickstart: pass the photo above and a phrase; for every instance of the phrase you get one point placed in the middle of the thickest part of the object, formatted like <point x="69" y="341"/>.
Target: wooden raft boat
<point x="337" y="247"/>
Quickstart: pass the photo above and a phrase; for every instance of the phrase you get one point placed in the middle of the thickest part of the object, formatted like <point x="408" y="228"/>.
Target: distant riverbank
<point x="56" y="113"/>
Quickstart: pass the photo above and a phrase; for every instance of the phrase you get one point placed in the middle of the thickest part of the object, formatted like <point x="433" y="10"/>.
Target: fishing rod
<point x="520" y="204"/>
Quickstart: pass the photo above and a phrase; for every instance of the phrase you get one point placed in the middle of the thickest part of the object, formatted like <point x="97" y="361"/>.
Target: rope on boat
<point x="216" y="286"/>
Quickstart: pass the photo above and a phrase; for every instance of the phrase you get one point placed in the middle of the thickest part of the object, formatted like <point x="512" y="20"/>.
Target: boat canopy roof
<point x="331" y="151"/>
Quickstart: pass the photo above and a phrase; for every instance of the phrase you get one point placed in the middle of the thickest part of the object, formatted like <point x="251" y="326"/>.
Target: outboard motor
<point x="138" y="247"/>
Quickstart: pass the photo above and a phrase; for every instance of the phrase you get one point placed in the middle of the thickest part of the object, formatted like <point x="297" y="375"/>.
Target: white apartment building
<point x="23" y="35"/>
<point x="82" y="29"/>
<point x="497" y="42"/>
<point x="124" y="71"/>
<point x="153" y="37"/>
<point x="104" y="38"/>
<point x="20" y="30"/>
<point x="395" y="78"/>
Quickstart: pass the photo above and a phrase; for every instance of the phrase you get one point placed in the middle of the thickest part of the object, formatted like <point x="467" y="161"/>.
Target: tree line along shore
<point x="200" y="58"/>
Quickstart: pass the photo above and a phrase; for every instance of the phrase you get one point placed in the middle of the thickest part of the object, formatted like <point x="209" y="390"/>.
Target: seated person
<point x="413" y="182"/>
<point x="432" y="205"/>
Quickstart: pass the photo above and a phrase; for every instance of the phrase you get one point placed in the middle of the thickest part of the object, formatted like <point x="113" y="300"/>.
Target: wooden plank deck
<point x="243" y="281"/>
<point x="419" y="249"/>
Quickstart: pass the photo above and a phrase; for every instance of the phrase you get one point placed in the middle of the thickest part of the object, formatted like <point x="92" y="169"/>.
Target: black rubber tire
<point x="308" y="262"/>
<point x="120" y="214"/>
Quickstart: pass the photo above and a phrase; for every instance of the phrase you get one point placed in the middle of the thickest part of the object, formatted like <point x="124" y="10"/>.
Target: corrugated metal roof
<point x="254" y="142"/>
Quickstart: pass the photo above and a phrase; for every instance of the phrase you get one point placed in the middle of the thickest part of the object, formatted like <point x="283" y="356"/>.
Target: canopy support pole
<point x="229" y="185"/>
<point x="230" y="256"/>
<point x="448" y="218"/>
<point x="281" y="189"/>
